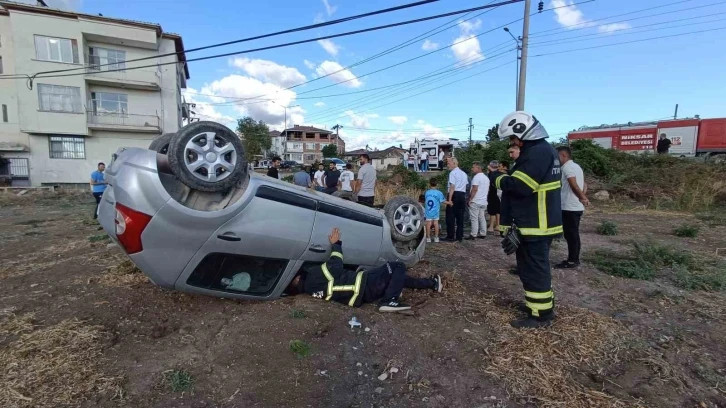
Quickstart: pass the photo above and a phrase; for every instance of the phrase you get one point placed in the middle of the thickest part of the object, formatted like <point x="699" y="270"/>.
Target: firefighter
<point x="533" y="215"/>
<point x="331" y="281"/>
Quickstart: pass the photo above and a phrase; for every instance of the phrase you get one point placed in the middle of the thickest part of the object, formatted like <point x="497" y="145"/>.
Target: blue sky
<point x="630" y="82"/>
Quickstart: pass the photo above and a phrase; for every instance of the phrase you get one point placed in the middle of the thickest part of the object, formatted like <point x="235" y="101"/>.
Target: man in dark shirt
<point x="663" y="144"/>
<point x="330" y="179"/>
<point x="272" y="172"/>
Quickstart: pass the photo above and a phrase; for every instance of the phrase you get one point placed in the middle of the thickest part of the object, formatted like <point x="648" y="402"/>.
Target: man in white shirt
<point x="573" y="205"/>
<point x="424" y="161"/>
<point x="414" y="157"/>
<point x="478" y="203"/>
<point x="346" y="177"/>
<point x="441" y="160"/>
<point x="456" y="196"/>
<point x="319" y="186"/>
<point x="365" y="188"/>
<point x="405" y="159"/>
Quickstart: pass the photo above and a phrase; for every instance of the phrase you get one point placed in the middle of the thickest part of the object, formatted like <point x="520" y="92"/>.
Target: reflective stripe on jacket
<point x="330" y="281"/>
<point x="531" y="193"/>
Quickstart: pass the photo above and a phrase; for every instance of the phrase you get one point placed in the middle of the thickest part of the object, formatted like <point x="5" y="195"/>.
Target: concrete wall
<point x="32" y="127"/>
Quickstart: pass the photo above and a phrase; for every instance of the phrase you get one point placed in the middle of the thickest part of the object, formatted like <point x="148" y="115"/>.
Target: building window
<point x="56" y="98"/>
<point x="295" y="145"/>
<point x="67" y="147"/>
<point x="310" y="146"/>
<point x="309" y="157"/>
<point x="309" y="135"/>
<point x="5" y="113"/>
<point x="109" y="103"/>
<point x="104" y="59"/>
<point x="56" y="49"/>
<point x="1" y="64"/>
<point x="296" y="157"/>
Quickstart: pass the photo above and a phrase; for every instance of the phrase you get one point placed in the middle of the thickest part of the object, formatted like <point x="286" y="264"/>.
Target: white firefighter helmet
<point x="523" y="126"/>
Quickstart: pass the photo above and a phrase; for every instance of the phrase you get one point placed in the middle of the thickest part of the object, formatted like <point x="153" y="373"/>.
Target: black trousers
<point x="97" y="196"/>
<point x="441" y="165"/>
<point x="571" y="229"/>
<point x="455" y="215"/>
<point x="367" y="201"/>
<point x="389" y="280"/>
<point x="330" y="190"/>
<point x="533" y="265"/>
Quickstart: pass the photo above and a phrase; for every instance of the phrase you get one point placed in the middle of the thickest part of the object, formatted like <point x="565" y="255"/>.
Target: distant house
<point x="385" y="159"/>
<point x="305" y="144"/>
<point x="277" y="148"/>
<point x="352" y="156"/>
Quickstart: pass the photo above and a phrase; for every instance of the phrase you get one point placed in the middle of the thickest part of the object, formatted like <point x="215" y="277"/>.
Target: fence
<point x="123" y="119"/>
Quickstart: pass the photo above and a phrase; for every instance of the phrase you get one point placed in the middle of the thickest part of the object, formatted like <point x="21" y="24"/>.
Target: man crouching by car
<point x="330" y="281"/>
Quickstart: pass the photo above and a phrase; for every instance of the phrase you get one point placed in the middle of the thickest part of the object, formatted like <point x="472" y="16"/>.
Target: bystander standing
<point x="573" y="206"/>
<point x="365" y="187"/>
<point x="457" y="202"/>
<point x="98" y="186"/>
<point x="331" y="178"/>
<point x="478" y="203"/>
<point x="494" y="207"/>
<point x="273" y="171"/>
<point x="346" y="178"/>
<point x="302" y="178"/>
<point x="318" y="178"/>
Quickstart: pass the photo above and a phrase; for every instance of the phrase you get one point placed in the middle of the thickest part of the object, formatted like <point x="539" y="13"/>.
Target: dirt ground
<point x="79" y="327"/>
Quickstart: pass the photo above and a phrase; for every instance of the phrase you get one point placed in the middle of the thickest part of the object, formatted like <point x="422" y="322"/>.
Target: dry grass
<point x="385" y="192"/>
<point x="123" y="274"/>
<point x="538" y="365"/>
<point x="53" y="366"/>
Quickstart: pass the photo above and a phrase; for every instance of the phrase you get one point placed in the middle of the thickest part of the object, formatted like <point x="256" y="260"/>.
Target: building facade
<point x="55" y="129"/>
<point x="304" y="144"/>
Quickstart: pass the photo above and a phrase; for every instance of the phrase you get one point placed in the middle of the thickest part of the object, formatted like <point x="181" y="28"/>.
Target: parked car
<point x="290" y="164"/>
<point x="197" y="220"/>
<point x="339" y="164"/>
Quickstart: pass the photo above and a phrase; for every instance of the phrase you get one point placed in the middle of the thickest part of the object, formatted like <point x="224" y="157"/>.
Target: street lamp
<point x="519" y="48"/>
<point x="285" y="107"/>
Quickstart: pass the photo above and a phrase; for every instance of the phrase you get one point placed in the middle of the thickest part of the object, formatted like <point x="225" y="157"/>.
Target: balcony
<point x="125" y="122"/>
<point x="100" y="73"/>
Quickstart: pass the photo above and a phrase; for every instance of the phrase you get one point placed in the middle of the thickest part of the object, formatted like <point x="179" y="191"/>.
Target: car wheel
<point x="346" y="195"/>
<point x="405" y="216"/>
<point x="207" y="156"/>
<point x="161" y="143"/>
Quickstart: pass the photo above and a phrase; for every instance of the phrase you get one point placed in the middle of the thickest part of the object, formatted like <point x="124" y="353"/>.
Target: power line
<point x="258" y="37"/>
<point x="505" y="2"/>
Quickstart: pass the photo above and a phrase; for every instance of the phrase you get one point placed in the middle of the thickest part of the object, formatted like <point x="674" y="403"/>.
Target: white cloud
<point x="567" y="14"/>
<point x="609" y="28"/>
<point x="67" y="5"/>
<point x="329" y="47"/>
<point x="309" y="64"/>
<point x="319" y="104"/>
<point x="243" y="87"/>
<point x="372" y="115"/>
<point x="398" y="120"/>
<point x="319" y="18"/>
<point x="358" y="140"/>
<point x="342" y="76"/>
<point x="328" y="8"/>
<point x="429" y="130"/>
<point x="470" y="26"/>
<point x="359" y="121"/>
<point x="204" y="110"/>
<point x="429" y="45"/>
<point x="467" y="49"/>
<point x="269" y="71"/>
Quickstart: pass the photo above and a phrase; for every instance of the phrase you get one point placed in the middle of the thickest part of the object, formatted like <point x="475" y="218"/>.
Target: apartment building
<point x="277" y="145"/>
<point x="55" y="128"/>
<point x="304" y="144"/>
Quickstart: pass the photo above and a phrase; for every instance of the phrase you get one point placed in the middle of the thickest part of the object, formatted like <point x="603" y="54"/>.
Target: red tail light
<point x="129" y="226"/>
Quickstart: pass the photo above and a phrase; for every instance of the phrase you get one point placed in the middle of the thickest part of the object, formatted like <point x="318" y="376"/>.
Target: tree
<point x="493" y="133"/>
<point x="330" y="150"/>
<point x="255" y="137"/>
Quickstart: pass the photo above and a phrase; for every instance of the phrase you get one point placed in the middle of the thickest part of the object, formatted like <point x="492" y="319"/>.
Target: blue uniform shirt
<point x="432" y="203"/>
<point x="97" y="176"/>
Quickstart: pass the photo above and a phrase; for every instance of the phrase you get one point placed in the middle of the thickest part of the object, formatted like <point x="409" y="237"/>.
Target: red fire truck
<point x="689" y="137"/>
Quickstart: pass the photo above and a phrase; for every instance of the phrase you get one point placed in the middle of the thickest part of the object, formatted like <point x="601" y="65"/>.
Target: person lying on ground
<point x="331" y="281"/>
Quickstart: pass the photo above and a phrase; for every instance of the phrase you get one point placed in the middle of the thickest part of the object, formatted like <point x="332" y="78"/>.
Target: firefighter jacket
<point x="531" y="192"/>
<point x="330" y="281"/>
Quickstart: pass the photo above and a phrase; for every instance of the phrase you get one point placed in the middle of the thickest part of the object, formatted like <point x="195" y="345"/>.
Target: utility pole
<point x="523" y="67"/>
<point x="675" y="115"/>
<point x="471" y="126"/>
<point x="517" y="40"/>
<point x="337" y="128"/>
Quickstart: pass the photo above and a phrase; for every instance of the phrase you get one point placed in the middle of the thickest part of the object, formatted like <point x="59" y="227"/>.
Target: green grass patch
<point x="607" y="228"/>
<point x="686" y="231"/>
<point x="646" y="261"/>
<point x="297" y="314"/>
<point x="32" y="223"/>
<point x="713" y="219"/>
<point x="179" y="380"/>
<point x="300" y="348"/>
<point x="98" y="238"/>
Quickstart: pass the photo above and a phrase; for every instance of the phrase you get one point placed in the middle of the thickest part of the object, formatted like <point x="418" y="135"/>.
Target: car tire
<point x="161" y="143"/>
<point x="406" y="218"/>
<point x="190" y="159"/>
<point x="346" y="195"/>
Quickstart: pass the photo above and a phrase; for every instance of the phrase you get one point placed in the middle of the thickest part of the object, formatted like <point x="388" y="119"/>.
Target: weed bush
<point x="300" y="348"/>
<point x="179" y="380"/>
<point x="686" y="231"/>
<point x="607" y="228"/>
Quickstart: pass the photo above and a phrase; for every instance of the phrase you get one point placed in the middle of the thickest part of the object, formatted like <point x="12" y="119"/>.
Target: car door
<point x="250" y="254"/>
<point x="361" y="233"/>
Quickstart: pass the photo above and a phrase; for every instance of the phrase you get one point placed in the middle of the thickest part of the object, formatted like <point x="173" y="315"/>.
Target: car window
<point x="238" y="273"/>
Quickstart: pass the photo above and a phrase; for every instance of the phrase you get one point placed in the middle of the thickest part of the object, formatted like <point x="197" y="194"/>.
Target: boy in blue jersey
<point x="433" y="199"/>
<point x="98" y="185"/>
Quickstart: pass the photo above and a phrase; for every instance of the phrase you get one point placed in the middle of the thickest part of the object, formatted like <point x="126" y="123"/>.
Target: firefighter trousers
<point x="533" y="265"/>
<point x="387" y="281"/>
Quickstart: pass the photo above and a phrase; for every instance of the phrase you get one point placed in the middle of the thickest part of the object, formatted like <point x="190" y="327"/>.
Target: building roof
<point x="275" y="133"/>
<point x="389" y="152"/>
<point x="178" y="43"/>
<point x="357" y="152"/>
<point x="298" y="128"/>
